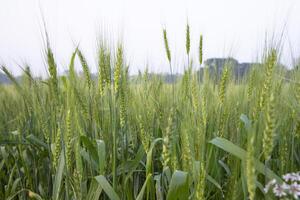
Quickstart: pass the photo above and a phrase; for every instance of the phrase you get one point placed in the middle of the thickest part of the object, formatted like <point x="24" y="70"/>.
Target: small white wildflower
<point x="280" y="190"/>
<point x="287" y="177"/>
<point x="294" y="190"/>
<point x="295" y="177"/>
<point x="270" y="183"/>
<point x="285" y="186"/>
<point x="298" y="176"/>
<point x="291" y="177"/>
<point x="291" y="186"/>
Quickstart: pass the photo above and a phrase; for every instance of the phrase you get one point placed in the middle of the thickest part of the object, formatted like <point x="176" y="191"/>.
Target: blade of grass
<point x="178" y="188"/>
<point x="58" y="177"/>
<point x="107" y="187"/>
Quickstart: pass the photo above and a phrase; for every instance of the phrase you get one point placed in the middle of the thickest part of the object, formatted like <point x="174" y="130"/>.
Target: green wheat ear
<point x="69" y="136"/>
<point x="144" y="136"/>
<point x="200" y="190"/>
<point x="11" y="78"/>
<point x="186" y="151"/>
<point x="250" y="169"/>
<point x="223" y="84"/>
<point x="269" y="68"/>
<point x="85" y="68"/>
<point x="201" y="50"/>
<point x="77" y="184"/>
<point x="167" y="144"/>
<point x="250" y="85"/>
<point x="72" y="73"/>
<point x="104" y="69"/>
<point x="118" y="68"/>
<point x="167" y="49"/>
<point x="52" y="68"/>
<point x="57" y="148"/>
<point x="269" y="132"/>
<point x="187" y="39"/>
<point x="195" y="93"/>
<point x="123" y="106"/>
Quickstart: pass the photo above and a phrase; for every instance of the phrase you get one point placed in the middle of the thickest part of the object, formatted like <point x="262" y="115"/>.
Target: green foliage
<point x="113" y="138"/>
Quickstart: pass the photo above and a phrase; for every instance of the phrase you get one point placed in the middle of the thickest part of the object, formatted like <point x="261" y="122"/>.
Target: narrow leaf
<point x="107" y="187"/>
<point x="241" y="154"/>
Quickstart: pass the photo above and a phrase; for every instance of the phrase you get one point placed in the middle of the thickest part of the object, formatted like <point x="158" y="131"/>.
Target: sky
<point x="236" y="28"/>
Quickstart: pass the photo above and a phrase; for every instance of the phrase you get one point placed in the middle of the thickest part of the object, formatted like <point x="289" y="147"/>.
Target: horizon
<point x="166" y="73"/>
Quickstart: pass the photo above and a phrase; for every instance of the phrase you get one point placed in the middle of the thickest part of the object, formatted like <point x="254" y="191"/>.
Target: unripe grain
<point x="269" y="129"/>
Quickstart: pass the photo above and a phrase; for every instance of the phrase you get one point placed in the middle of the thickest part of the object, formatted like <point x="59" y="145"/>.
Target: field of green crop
<point x="200" y="137"/>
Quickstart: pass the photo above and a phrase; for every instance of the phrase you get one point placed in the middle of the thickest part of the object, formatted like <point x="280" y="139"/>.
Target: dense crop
<point x="201" y="137"/>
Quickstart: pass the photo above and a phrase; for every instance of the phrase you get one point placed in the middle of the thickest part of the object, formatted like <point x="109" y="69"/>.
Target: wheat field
<point x="114" y="137"/>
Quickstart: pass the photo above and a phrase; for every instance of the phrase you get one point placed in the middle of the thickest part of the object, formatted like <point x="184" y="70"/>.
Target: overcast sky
<point x="230" y="27"/>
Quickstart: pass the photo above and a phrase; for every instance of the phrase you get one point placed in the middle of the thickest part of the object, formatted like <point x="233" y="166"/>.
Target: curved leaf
<point x="241" y="154"/>
<point x="179" y="188"/>
<point x="141" y="194"/>
<point x="107" y="187"/>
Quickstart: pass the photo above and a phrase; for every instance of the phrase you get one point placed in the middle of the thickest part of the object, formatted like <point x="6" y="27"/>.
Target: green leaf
<point x="15" y="185"/>
<point x="12" y="142"/>
<point x="11" y="178"/>
<point x="58" y="176"/>
<point x="107" y="187"/>
<point x="86" y="156"/>
<point x="226" y="168"/>
<point x="214" y="182"/>
<point x="207" y="176"/>
<point x="101" y="155"/>
<point x="246" y="121"/>
<point x="141" y="194"/>
<point x="131" y="166"/>
<point x="241" y="154"/>
<point x="158" y="187"/>
<point x="94" y="191"/>
<point x="244" y="182"/>
<point x="36" y="141"/>
<point x="149" y="155"/>
<point x="178" y="189"/>
<point x="260" y="186"/>
<point x="91" y="148"/>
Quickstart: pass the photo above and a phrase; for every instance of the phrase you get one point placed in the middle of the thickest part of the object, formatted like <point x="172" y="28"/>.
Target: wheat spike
<point x="118" y="68"/>
<point x="269" y="131"/>
<point x="187" y="39"/>
<point x="250" y="169"/>
<point x="223" y="84"/>
<point x="167" y="49"/>
<point x="201" y="50"/>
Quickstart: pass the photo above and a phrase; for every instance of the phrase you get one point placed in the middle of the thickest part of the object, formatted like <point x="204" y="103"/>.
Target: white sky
<point x="230" y="27"/>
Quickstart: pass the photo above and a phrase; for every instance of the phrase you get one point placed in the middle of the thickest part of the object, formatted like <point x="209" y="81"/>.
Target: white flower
<point x="292" y="177"/>
<point x="298" y="176"/>
<point x="295" y="177"/>
<point x="287" y="177"/>
<point x="280" y="190"/>
<point x="291" y="186"/>
<point x="270" y="183"/>
<point x="294" y="190"/>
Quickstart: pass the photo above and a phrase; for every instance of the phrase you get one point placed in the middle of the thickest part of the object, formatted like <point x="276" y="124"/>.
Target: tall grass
<point x="72" y="137"/>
